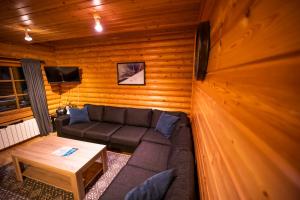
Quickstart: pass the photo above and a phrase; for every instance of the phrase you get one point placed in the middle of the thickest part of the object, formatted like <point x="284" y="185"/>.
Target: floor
<point x="5" y="155"/>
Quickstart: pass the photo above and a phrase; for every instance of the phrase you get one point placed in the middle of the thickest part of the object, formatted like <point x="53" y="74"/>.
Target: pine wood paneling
<point x="246" y="113"/>
<point x="38" y="52"/>
<point x="168" y="58"/>
<point x="59" y="19"/>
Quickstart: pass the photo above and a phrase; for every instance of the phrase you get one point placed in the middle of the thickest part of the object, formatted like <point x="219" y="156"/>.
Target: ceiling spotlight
<point x="27" y="36"/>
<point x="98" y="26"/>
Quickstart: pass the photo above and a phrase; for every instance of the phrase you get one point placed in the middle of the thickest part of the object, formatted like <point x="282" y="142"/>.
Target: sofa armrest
<point x="60" y="122"/>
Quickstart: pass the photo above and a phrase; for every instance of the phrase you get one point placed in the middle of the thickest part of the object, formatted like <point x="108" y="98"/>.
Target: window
<point x="13" y="89"/>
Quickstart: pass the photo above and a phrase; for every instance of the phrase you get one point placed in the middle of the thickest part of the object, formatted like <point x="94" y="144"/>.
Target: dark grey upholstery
<point x="102" y="131"/>
<point x="182" y="139"/>
<point x="95" y="112"/>
<point x="151" y="156"/>
<point x="128" y="135"/>
<point x="138" y="117"/>
<point x="128" y="178"/>
<point x="79" y="129"/>
<point x="153" y="152"/>
<point x="154" y="136"/>
<point x="183" y="188"/>
<point x="60" y="122"/>
<point x="114" y="114"/>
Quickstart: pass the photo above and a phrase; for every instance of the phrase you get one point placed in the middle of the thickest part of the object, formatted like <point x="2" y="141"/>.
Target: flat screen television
<point x="62" y="74"/>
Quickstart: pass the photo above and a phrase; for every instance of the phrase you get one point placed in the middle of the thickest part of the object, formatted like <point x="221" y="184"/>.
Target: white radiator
<point x="16" y="133"/>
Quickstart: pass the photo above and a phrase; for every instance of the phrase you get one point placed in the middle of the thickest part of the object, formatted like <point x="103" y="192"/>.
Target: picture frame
<point x="131" y="73"/>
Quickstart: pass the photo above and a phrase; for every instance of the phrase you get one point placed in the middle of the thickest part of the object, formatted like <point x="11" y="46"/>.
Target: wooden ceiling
<point x="52" y="20"/>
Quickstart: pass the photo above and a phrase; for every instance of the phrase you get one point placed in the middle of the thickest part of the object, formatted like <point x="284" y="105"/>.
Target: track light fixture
<point x="27" y="36"/>
<point x="98" y="26"/>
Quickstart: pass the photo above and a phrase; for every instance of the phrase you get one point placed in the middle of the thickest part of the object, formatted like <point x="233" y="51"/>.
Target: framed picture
<point x="131" y="73"/>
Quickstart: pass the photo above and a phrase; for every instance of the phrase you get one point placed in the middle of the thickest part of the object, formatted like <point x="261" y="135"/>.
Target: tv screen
<point x="62" y="74"/>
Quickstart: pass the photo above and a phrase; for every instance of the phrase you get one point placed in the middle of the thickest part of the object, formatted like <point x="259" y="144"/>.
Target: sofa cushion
<point x="183" y="187"/>
<point x="154" y="188"/>
<point x="78" y="115"/>
<point x="128" y="135"/>
<point x="138" y="117"/>
<point x="127" y="178"/>
<point x="102" y="131"/>
<point x="182" y="139"/>
<point x="154" y="136"/>
<point x="114" y="114"/>
<point x="151" y="156"/>
<point x="95" y="112"/>
<point x="166" y="124"/>
<point x="78" y="129"/>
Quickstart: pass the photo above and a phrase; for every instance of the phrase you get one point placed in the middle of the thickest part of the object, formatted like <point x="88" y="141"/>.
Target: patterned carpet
<point x="10" y="189"/>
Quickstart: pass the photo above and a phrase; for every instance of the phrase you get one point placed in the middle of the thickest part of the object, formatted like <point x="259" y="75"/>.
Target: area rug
<point x="31" y="189"/>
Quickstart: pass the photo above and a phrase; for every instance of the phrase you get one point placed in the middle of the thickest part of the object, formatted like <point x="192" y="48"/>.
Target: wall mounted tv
<point x="62" y="74"/>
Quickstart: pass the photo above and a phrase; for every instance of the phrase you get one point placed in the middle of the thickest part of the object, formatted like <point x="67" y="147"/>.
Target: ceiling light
<point x="98" y="26"/>
<point x="27" y="36"/>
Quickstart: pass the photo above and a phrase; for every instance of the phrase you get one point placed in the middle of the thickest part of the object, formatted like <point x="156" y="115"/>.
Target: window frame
<point x="15" y="94"/>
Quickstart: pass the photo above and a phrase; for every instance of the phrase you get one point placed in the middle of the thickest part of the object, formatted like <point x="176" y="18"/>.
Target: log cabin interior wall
<point x="246" y="112"/>
<point x="168" y="58"/>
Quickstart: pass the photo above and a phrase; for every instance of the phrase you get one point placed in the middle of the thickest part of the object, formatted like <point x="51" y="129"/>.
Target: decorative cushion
<point x="138" y="117"/>
<point x="156" y="115"/>
<point x="95" y="112"/>
<point x="154" y="188"/>
<point x="166" y="124"/>
<point x="78" y="115"/>
<point x="114" y="114"/>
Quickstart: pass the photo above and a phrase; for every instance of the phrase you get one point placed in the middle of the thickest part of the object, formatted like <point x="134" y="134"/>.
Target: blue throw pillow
<point x="154" y="188"/>
<point x="166" y="124"/>
<point x="78" y="115"/>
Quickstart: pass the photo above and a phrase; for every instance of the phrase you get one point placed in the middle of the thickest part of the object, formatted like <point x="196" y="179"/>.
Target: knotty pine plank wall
<point x="35" y="52"/>
<point x="168" y="58"/>
<point x="246" y="114"/>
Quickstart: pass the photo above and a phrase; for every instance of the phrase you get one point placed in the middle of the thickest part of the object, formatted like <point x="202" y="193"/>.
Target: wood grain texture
<point x="38" y="52"/>
<point x="168" y="58"/>
<point x="60" y="19"/>
<point x="246" y="113"/>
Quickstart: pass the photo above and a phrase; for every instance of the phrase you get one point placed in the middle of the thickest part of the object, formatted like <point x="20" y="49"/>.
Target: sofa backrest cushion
<point x="183" y="121"/>
<point x="95" y="112"/>
<point x="182" y="139"/>
<point x="183" y="187"/>
<point x="114" y="114"/>
<point x="138" y="117"/>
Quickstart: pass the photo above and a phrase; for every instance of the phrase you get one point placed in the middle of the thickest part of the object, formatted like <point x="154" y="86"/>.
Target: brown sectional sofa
<point x="133" y="130"/>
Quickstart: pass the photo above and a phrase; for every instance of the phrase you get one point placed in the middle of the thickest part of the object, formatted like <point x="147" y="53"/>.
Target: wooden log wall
<point x="246" y="114"/>
<point x="168" y="58"/>
<point x="28" y="51"/>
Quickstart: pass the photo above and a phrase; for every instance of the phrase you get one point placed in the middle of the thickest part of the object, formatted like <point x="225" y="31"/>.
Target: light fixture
<point x="27" y="36"/>
<point x="98" y="26"/>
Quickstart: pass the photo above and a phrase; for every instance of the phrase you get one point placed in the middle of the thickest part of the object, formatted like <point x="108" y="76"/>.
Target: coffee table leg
<point x="17" y="168"/>
<point x="77" y="186"/>
<point x="104" y="159"/>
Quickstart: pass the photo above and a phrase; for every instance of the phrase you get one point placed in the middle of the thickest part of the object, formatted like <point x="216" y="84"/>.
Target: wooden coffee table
<point x="71" y="173"/>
